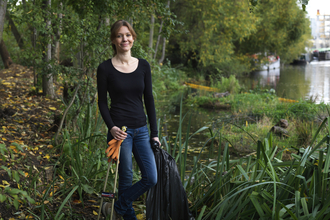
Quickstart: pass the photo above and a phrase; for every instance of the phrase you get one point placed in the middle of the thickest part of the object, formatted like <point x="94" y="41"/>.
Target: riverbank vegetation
<point x="254" y="113"/>
<point x="52" y="141"/>
<point x="282" y="173"/>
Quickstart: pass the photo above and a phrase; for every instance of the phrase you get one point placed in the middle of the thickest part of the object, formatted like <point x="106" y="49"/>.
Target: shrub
<point x="229" y="84"/>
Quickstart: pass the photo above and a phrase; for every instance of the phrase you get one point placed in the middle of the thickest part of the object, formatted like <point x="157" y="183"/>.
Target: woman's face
<point x="124" y="40"/>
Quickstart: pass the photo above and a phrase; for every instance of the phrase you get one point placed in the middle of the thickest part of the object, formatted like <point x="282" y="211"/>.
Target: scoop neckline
<point x="123" y="72"/>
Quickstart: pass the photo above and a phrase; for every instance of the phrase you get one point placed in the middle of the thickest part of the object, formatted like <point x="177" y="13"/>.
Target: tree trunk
<point x="33" y="40"/>
<point x="33" y="37"/>
<point x="58" y="34"/>
<point x="161" y="60"/>
<point x="130" y="21"/>
<point x="151" y="33"/>
<point x="107" y="21"/>
<point x="31" y="28"/>
<point x="47" y="79"/>
<point x="3" y="7"/>
<point x="5" y="55"/>
<point x="159" y="33"/>
<point x="15" y="32"/>
<point x="158" y="39"/>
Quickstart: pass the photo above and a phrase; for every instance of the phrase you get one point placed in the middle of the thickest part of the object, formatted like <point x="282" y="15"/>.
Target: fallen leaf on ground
<point x="76" y="201"/>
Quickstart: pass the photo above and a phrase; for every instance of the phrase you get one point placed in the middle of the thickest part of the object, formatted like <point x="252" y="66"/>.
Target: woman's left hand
<point x="156" y="139"/>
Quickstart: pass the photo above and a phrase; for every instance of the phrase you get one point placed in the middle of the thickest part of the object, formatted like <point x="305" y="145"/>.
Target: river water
<point x="291" y="82"/>
<point x="297" y="82"/>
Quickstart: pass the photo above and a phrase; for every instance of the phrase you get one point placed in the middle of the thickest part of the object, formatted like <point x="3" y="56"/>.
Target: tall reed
<point x="260" y="186"/>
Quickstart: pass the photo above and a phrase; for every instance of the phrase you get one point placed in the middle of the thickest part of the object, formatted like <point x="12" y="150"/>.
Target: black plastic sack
<point x="167" y="199"/>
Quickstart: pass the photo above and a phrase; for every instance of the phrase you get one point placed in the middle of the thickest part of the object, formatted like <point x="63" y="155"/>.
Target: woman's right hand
<point x="117" y="133"/>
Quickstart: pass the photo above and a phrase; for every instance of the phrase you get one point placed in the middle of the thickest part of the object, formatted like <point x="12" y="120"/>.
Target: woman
<point x="127" y="79"/>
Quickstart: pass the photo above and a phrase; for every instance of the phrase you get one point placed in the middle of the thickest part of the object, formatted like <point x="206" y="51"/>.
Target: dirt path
<point x="26" y="130"/>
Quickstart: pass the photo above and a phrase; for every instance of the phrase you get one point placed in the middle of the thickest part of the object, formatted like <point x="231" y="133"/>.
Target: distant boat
<point x="273" y="63"/>
<point x="303" y="59"/>
<point x="266" y="63"/>
<point x="322" y="54"/>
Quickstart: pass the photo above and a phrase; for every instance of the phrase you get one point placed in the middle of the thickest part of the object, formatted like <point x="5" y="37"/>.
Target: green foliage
<point x="229" y="84"/>
<point x="13" y="196"/>
<point x="165" y="78"/>
<point x="283" y="29"/>
<point x="263" y="103"/>
<point x="224" y="34"/>
<point x="219" y="25"/>
<point x="261" y="185"/>
<point x="303" y="133"/>
<point x="83" y="159"/>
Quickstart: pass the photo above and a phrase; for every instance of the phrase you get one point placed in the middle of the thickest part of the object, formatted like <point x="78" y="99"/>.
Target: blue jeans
<point x="138" y="142"/>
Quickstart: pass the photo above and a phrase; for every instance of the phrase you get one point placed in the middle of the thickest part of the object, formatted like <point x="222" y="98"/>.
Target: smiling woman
<point x="122" y="33"/>
<point x="128" y="81"/>
<point x="124" y="39"/>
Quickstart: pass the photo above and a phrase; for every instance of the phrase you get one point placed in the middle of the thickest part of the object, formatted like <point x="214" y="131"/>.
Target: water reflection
<point x="319" y="75"/>
<point x="295" y="82"/>
<point x="266" y="78"/>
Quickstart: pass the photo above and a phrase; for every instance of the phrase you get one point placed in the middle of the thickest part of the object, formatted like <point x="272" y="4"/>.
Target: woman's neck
<point x="123" y="58"/>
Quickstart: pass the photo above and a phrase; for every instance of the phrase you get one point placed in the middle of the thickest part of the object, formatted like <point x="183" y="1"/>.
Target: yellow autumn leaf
<point x="52" y="108"/>
<point x="140" y="216"/>
<point x="11" y="219"/>
<point x="4" y="182"/>
<point x="47" y="157"/>
<point x="50" y="146"/>
<point x="95" y="213"/>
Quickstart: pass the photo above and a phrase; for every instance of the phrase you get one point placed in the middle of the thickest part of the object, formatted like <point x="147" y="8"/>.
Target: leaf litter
<point x="26" y="129"/>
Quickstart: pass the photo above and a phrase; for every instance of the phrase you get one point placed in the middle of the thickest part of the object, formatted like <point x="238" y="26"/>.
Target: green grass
<point x="254" y="113"/>
<point x="260" y="186"/>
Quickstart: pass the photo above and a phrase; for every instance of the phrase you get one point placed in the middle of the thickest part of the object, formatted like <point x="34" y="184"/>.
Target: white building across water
<point x="321" y="30"/>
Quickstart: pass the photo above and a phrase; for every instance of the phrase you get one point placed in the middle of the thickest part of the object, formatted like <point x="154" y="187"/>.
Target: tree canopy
<point x="224" y="34"/>
<point x="217" y="34"/>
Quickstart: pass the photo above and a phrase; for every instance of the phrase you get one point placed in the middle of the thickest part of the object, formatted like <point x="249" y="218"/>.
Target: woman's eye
<point x="128" y="35"/>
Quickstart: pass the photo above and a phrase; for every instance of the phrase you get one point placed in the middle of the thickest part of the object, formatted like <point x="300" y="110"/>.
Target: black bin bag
<point x="167" y="200"/>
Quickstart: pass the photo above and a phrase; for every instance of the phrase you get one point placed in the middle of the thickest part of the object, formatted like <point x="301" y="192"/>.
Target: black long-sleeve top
<point x="126" y="91"/>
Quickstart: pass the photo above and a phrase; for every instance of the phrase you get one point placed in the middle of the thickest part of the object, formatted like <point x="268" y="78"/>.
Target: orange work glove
<point x="113" y="150"/>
